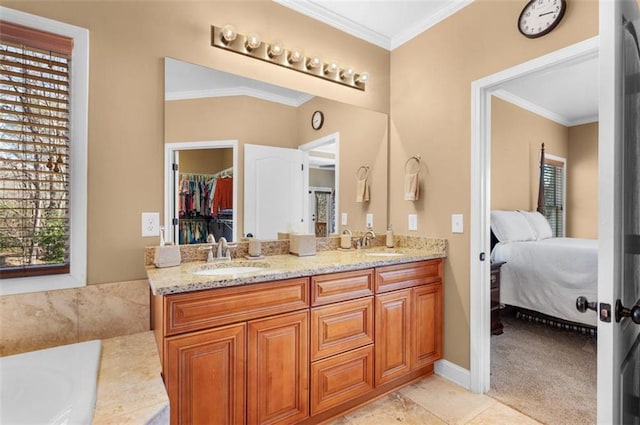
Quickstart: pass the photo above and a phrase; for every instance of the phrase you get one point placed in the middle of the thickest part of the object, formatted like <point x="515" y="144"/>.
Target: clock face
<point x="539" y="17"/>
<point x="317" y="120"/>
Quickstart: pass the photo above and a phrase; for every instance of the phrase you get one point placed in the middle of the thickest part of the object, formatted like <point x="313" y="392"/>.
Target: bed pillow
<point x="511" y="226"/>
<point x="539" y="224"/>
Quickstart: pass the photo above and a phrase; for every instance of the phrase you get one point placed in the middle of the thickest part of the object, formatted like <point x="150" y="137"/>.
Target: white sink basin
<point x="228" y="271"/>
<point x="384" y="254"/>
<point x="52" y="386"/>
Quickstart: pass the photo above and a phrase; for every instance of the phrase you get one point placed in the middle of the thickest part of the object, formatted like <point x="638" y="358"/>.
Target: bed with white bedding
<point x="543" y="273"/>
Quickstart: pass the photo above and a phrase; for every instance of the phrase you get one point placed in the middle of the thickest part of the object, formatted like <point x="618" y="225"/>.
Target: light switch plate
<point x="370" y="220"/>
<point x="457" y="223"/>
<point x="150" y="224"/>
<point x="343" y="219"/>
<point x="413" y="221"/>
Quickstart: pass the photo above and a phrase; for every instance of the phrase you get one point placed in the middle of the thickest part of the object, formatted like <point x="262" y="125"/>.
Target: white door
<point x="273" y="190"/>
<point x="619" y="230"/>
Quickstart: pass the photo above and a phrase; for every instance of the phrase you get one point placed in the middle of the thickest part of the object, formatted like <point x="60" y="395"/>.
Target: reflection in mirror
<point x="205" y="195"/>
<point x="200" y="188"/>
<point x="206" y="104"/>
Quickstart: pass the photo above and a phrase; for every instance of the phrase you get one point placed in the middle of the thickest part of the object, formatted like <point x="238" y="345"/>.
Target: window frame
<point x="79" y="108"/>
<point x="563" y="161"/>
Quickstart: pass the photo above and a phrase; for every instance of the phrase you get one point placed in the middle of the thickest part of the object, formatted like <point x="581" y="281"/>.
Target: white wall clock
<point x="540" y="17"/>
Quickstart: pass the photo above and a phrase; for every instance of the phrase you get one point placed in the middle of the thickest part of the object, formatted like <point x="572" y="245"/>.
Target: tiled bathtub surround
<point x="46" y="319"/>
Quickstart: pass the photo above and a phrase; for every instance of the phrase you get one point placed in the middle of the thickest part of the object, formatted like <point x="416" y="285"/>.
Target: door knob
<point x="633" y="312"/>
<point x="583" y="305"/>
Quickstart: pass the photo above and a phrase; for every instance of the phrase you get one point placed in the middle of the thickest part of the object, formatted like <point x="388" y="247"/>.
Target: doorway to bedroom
<point x="535" y="360"/>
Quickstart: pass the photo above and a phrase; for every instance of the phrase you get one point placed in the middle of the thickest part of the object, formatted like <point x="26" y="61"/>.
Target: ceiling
<point x="567" y="95"/>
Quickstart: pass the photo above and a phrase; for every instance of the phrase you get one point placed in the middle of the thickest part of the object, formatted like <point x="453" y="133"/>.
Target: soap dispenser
<point x="389" y="237"/>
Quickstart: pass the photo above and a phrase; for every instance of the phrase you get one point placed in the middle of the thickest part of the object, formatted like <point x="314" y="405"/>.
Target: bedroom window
<point x="554" y="193"/>
<point x="43" y="123"/>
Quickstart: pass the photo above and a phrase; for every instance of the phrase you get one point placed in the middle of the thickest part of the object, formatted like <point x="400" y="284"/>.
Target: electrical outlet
<point x="343" y="219"/>
<point x="150" y="224"/>
<point x="369" y="220"/>
<point x="413" y="221"/>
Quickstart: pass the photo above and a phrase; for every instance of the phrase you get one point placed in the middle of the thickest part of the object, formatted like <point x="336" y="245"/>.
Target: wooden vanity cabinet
<point x="278" y="369"/>
<point x="226" y="352"/>
<point x="342" y="338"/>
<point x="205" y="378"/>
<point x="298" y="351"/>
<point x="408" y="317"/>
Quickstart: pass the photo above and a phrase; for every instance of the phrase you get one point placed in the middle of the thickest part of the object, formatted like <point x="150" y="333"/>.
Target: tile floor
<point x="434" y="401"/>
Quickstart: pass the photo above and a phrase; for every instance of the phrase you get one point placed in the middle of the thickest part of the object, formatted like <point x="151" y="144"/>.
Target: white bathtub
<point x="52" y="386"/>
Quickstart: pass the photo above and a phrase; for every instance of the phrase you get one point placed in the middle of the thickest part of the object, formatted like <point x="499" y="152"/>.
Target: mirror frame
<point x="170" y="149"/>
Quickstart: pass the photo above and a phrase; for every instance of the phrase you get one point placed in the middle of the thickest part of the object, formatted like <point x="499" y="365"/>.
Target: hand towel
<point x="411" y="187"/>
<point x="362" y="191"/>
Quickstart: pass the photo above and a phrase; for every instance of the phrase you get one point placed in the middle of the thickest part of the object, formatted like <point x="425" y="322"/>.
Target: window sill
<point x="25" y="285"/>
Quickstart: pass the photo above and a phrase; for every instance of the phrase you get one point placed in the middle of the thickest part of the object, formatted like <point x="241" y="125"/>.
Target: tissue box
<point x="167" y="256"/>
<point x="302" y="244"/>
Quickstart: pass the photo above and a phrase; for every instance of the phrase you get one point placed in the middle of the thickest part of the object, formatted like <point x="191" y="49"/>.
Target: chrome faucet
<point x="366" y="238"/>
<point x="223" y="248"/>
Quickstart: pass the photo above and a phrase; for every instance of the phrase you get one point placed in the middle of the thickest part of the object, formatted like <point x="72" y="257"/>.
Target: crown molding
<point x="239" y="91"/>
<point x="429" y="21"/>
<point x="537" y="109"/>
<point x="320" y="13"/>
<point x="335" y="20"/>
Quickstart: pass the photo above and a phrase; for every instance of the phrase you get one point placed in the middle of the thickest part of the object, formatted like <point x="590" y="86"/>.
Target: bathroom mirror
<point x="207" y="106"/>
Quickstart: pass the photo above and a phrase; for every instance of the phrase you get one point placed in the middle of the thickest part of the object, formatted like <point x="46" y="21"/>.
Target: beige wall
<point x="431" y="78"/>
<point x="582" y="182"/>
<point x="205" y="161"/>
<point x="516" y="135"/>
<point x="321" y="178"/>
<point x="128" y="41"/>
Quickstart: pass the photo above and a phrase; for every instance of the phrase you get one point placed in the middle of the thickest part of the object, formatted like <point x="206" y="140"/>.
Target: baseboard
<point x="454" y="373"/>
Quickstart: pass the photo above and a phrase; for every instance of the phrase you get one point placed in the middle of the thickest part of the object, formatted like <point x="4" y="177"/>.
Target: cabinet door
<point x="206" y="376"/>
<point x="426" y="318"/>
<point x="278" y="369"/>
<point x="393" y="342"/>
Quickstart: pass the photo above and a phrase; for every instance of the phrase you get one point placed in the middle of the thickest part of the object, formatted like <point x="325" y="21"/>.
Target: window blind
<point x="553" y="174"/>
<point x="34" y="151"/>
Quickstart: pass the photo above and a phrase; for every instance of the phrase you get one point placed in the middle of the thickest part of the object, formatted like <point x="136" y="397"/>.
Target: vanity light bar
<point x="251" y="45"/>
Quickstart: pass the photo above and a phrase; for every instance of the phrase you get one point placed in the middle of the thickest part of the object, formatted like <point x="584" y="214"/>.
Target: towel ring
<point x="418" y="160"/>
<point x="364" y="168"/>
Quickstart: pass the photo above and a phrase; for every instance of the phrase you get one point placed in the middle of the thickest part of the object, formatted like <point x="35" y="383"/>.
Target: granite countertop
<point x="179" y="279"/>
<point x="130" y="387"/>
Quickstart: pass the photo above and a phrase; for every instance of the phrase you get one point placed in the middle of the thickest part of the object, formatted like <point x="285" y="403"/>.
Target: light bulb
<point x="228" y="34"/>
<point x="331" y="68"/>
<point x="363" y="77"/>
<point x="314" y="62"/>
<point x="295" y="56"/>
<point x="347" y="73"/>
<point x="253" y="42"/>
<point x="275" y="49"/>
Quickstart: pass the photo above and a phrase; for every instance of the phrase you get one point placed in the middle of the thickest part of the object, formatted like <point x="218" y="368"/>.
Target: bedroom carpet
<point x="546" y="373"/>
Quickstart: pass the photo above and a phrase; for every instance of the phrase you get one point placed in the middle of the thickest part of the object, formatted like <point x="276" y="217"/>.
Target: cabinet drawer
<point x="215" y="307"/>
<point x="335" y="287"/>
<point x="341" y="327"/>
<point x="341" y="378"/>
<point x="403" y="276"/>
